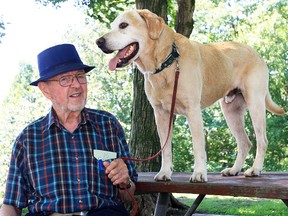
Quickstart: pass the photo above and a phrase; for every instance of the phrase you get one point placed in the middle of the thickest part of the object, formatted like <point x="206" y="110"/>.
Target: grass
<point x="226" y="205"/>
<point x="236" y="205"/>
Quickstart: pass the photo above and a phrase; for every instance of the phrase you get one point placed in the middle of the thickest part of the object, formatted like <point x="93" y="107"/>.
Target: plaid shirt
<point x="54" y="170"/>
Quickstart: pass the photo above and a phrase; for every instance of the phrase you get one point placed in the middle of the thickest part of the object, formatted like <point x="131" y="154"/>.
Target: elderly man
<point x="54" y="169"/>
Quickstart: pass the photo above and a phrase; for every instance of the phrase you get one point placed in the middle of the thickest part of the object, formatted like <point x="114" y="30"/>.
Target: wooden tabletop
<point x="272" y="185"/>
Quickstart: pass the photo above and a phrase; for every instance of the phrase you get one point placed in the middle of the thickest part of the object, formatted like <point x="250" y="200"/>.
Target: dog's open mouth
<point x="124" y="56"/>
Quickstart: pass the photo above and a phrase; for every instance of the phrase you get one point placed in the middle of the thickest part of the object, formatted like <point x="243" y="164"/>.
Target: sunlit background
<point x="31" y="28"/>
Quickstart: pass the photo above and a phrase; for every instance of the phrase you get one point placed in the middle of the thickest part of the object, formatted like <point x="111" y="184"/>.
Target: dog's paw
<point x="163" y="176"/>
<point x="198" y="177"/>
<point x="229" y="172"/>
<point x="252" y="172"/>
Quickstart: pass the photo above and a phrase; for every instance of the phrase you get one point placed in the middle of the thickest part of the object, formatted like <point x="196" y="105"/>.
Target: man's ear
<point x="43" y="86"/>
<point x="155" y="24"/>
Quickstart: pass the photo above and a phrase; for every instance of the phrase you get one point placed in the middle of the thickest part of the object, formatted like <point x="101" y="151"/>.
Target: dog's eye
<point x="123" y="25"/>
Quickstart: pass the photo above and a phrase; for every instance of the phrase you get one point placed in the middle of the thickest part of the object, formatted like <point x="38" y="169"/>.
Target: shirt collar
<point x="52" y="119"/>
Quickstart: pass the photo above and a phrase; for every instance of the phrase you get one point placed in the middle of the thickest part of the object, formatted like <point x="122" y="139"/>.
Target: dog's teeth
<point x="131" y="49"/>
<point x="127" y="54"/>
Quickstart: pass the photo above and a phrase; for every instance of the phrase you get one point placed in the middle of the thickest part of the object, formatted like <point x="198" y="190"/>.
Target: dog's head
<point x="128" y="34"/>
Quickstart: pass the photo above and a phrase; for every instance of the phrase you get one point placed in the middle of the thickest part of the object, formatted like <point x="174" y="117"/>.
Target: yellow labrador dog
<point x="230" y="72"/>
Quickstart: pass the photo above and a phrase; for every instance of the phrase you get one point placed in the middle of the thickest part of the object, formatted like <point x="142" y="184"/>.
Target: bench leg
<point x="194" y="206"/>
<point x="162" y="204"/>
<point x="285" y="201"/>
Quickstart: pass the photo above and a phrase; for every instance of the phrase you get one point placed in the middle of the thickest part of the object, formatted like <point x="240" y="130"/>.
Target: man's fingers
<point x="117" y="171"/>
<point x="118" y="178"/>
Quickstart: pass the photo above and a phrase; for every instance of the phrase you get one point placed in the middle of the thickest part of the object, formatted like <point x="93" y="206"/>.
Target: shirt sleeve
<point x="125" y="152"/>
<point x="16" y="193"/>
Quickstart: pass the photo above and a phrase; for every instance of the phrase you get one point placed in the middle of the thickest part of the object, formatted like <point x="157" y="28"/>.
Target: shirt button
<point x="78" y="179"/>
<point x="80" y="201"/>
<point x="73" y="137"/>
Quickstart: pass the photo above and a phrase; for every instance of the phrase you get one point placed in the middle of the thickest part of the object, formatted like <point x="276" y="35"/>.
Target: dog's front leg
<point x="162" y="121"/>
<point x="195" y="121"/>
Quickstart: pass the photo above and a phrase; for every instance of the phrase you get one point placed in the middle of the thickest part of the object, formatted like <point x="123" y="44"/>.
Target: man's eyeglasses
<point x="68" y="80"/>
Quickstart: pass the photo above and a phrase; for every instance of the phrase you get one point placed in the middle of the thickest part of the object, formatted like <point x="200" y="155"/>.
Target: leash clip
<point x="177" y="66"/>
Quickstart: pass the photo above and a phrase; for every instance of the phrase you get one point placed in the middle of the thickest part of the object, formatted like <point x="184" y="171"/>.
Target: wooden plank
<point x="271" y="185"/>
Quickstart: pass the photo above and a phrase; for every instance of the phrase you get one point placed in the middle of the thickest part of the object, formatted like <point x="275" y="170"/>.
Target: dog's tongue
<point x="113" y="62"/>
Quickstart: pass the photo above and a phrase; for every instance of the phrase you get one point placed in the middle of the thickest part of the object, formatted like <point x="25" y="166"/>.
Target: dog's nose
<point x="100" y="42"/>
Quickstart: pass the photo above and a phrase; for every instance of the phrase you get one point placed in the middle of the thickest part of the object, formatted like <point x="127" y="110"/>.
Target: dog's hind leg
<point x="234" y="111"/>
<point x="257" y="110"/>
<point x="162" y="122"/>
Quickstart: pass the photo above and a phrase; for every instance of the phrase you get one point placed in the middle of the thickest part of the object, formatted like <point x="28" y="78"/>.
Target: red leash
<point x="169" y="130"/>
<point x="170" y="123"/>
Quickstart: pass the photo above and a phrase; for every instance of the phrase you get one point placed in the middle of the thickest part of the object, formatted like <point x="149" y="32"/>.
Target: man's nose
<point x="75" y="82"/>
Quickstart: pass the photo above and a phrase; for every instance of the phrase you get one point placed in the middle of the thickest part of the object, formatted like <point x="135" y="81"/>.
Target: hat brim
<point x="63" y="69"/>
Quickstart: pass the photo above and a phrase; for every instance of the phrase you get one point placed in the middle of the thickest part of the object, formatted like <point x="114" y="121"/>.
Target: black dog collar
<point x="169" y="60"/>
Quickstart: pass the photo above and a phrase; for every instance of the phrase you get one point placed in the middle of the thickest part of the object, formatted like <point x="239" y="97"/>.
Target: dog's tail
<point x="272" y="106"/>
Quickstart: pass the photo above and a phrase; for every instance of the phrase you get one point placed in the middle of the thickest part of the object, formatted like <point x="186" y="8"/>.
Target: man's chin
<point x="76" y="107"/>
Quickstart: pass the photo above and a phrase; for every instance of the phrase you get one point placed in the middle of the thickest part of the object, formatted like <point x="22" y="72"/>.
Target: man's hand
<point x="117" y="172"/>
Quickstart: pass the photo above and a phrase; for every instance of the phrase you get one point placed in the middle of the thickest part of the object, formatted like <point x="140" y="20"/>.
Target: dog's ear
<point x="154" y="23"/>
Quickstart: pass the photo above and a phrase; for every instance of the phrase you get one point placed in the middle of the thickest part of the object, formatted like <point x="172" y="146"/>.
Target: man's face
<point x="71" y="98"/>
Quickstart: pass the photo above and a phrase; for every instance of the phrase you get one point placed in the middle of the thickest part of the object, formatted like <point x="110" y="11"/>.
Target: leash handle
<point x="134" y="202"/>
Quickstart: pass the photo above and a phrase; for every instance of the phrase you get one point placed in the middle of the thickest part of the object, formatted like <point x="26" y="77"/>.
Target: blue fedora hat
<point x="59" y="59"/>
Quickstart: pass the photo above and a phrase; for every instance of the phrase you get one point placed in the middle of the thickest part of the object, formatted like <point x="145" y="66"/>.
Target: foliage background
<point x="261" y="24"/>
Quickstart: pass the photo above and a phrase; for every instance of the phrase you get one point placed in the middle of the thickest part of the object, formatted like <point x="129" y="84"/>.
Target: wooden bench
<point x="272" y="185"/>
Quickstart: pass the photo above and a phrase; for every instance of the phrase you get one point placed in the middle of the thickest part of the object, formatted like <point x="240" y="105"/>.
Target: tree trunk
<point x="144" y="139"/>
<point x="184" y="19"/>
